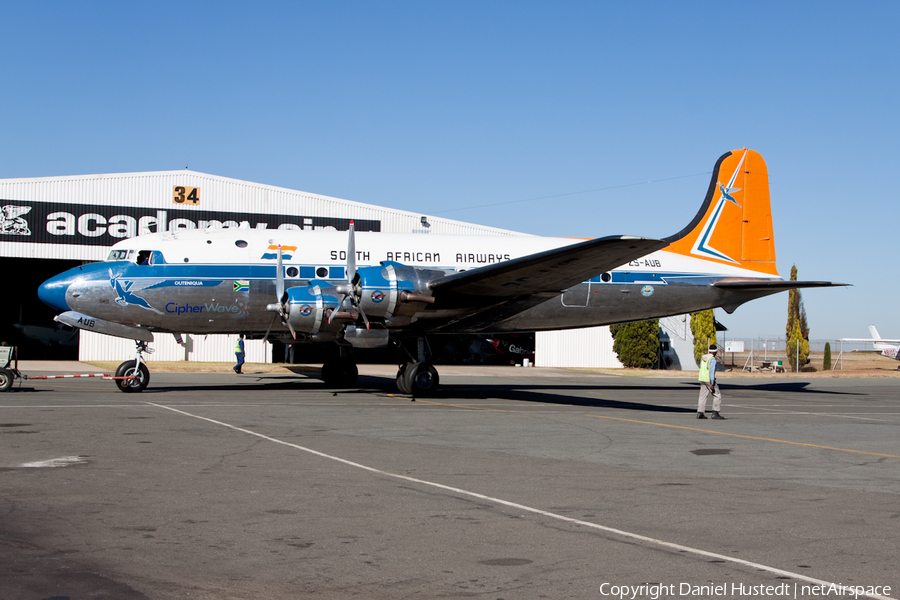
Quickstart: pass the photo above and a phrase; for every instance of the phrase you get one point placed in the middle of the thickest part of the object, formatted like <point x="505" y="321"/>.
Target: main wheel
<point x="340" y="373"/>
<point x="402" y="382"/>
<point x="141" y="377"/>
<point x="422" y="379"/>
<point x="6" y="379"/>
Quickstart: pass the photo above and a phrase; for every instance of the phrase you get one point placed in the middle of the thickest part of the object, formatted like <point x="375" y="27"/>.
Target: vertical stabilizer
<point x="874" y="333"/>
<point x="734" y="225"/>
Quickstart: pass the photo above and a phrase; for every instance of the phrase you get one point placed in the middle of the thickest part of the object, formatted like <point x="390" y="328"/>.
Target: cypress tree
<point x="791" y="346"/>
<point x="793" y="308"/>
<point x="826" y="361"/>
<point x="703" y="326"/>
<point x="796" y="310"/>
<point x="797" y="328"/>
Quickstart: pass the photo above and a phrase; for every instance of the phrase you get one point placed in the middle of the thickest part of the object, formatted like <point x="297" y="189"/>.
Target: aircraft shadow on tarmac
<point x="524" y="392"/>
<point x="556" y="394"/>
<point x="784" y="387"/>
<point x="367" y="385"/>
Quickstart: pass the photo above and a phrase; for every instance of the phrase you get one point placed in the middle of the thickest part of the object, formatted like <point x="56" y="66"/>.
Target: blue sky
<point x="483" y="106"/>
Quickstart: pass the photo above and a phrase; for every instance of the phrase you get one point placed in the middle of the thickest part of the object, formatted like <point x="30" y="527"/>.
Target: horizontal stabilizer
<point x="771" y="285"/>
<point x="551" y="271"/>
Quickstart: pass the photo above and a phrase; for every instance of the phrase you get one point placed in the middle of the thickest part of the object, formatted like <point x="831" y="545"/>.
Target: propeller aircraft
<point x="368" y="290"/>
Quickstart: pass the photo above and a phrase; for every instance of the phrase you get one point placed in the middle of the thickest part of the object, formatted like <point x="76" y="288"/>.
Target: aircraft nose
<point x="53" y="291"/>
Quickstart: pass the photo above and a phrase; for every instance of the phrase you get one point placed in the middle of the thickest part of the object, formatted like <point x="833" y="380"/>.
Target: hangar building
<point x="50" y="224"/>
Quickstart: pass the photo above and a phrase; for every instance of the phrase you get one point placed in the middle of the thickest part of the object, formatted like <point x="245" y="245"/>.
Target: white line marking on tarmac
<point x="620" y="532"/>
<point x="781" y="412"/>
<point x="65" y="461"/>
<point x="135" y="405"/>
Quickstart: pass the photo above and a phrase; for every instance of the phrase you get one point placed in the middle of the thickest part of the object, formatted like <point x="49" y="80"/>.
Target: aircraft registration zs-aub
<point x="303" y="286"/>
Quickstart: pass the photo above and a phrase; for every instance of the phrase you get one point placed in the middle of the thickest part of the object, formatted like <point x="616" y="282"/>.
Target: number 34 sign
<point x="186" y="195"/>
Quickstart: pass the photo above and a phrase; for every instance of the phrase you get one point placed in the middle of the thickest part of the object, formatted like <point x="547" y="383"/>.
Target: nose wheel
<point x="135" y="376"/>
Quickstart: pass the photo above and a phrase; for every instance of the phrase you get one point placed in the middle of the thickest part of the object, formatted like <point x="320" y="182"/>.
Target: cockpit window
<point x="117" y="255"/>
<point x="143" y="257"/>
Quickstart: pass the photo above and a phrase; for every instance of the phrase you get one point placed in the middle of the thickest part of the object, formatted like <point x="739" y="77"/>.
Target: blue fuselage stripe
<point x="228" y="272"/>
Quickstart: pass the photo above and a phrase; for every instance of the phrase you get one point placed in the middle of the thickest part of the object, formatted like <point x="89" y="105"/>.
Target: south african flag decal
<point x="242" y="285"/>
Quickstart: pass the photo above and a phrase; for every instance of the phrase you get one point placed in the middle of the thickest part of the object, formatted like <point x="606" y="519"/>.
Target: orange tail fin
<point x="734" y="225"/>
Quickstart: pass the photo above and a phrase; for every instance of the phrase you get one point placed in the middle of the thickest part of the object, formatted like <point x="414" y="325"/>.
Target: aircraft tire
<point x="6" y="379"/>
<point x="339" y="373"/>
<point x="422" y="379"/>
<point x="139" y="383"/>
<point x="402" y="382"/>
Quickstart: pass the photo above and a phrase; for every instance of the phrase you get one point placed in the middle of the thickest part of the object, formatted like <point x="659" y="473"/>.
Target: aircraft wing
<point x="550" y="271"/>
<point x="499" y="291"/>
<point x="772" y="285"/>
<point x="873" y="340"/>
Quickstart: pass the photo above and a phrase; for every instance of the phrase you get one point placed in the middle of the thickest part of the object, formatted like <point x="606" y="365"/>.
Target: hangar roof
<point x="80" y="216"/>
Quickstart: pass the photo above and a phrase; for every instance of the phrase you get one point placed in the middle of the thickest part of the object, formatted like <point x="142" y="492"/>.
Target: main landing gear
<point x="340" y="371"/>
<point x="418" y="377"/>
<point x="133" y="375"/>
<point x="415" y="376"/>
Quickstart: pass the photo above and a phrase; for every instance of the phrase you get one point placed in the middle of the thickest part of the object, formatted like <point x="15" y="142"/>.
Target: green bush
<point x="637" y="344"/>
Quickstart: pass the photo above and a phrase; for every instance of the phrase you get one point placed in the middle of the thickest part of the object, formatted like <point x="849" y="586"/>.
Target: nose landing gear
<point x="133" y="375"/>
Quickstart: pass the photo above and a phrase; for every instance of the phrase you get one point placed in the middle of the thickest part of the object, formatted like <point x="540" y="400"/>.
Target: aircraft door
<point x="577" y="296"/>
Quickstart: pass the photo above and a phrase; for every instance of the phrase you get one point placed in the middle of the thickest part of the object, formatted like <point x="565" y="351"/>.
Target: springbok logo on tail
<point x="702" y="246"/>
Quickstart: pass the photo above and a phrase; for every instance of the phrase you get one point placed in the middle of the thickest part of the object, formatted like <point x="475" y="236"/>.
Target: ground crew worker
<point x="708" y="385"/>
<point x="239" y="353"/>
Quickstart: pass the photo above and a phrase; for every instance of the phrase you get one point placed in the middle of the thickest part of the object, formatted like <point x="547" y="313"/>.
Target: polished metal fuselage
<point x="233" y="298"/>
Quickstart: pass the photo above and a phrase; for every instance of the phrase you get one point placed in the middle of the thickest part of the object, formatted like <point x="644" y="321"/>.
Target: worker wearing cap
<point x="708" y="385"/>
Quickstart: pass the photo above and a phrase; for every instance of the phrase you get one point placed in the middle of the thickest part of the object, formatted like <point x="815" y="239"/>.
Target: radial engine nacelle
<point x="391" y="292"/>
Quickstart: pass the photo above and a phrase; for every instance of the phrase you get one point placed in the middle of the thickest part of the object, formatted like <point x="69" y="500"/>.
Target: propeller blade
<point x="266" y="337"/>
<point x="337" y="309"/>
<point x="363" y="315"/>
<point x="288" y="323"/>
<point x="279" y="279"/>
<point x="351" y="255"/>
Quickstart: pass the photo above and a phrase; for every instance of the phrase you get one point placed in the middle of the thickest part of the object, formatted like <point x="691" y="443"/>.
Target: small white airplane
<point x="377" y="288"/>
<point x="889" y="348"/>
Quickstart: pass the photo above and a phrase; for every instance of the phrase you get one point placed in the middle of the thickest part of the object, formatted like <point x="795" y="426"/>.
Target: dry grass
<point x="738" y="374"/>
<point x="855" y="365"/>
<point x="852" y="364"/>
